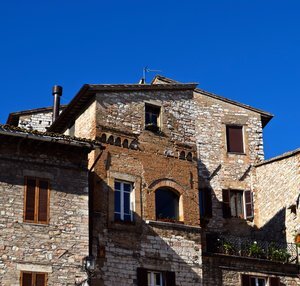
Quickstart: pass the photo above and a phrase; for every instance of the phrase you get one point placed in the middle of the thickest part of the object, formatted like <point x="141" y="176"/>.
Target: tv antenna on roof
<point x="145" y="71"/>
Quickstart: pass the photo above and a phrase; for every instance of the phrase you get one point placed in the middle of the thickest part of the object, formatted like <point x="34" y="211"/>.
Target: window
<point x="33" y="279"/>
<point x="148" y="277"/>
<point x="152" y="117"/>
<point x="124" y="201"/>
<point x="36" y="205"/>
<point x="237" y="204"/>
<point x="249" y="280"/>
<point x="205" y="198"/>
<point x="234" y="136"/>
<point x="166" y="204"/>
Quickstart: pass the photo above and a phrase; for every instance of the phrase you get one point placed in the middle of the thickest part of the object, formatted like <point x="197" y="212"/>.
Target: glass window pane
<point x="117" y="185"/>
<point x="126" y="203"/>
<point x="117" y="201"/>
<point x="233" y="204"/>
<point x="127" y="217"/>
<point x="239" y="204"/>
<point x="127" y="187"/>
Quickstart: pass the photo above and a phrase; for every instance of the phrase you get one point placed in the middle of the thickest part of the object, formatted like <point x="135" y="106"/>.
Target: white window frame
<point x="256" y="280"/>
<point x="131" y="197"/>
<point x="151" y="275"/>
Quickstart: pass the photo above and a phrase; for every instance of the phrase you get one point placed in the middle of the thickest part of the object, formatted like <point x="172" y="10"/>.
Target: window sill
<point x="35" y="223"/>
<point x="236" y="153"/>
<point x="172" y="225"/>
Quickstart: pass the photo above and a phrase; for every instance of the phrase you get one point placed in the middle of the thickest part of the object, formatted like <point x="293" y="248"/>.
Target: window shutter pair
<point x="142" y="277"/>
<point x="36" y="200"/>
<point x="33" y="279"/>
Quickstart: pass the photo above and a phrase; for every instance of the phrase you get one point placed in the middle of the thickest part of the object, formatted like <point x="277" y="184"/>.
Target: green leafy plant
<point x="278" y="254"/>
<point x="228" y="248"/>
<point x="256" y="251"/>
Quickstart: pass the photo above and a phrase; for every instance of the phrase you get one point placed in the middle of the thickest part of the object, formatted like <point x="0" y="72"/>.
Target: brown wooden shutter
<point x="26" y="279"/>
<point x="170" y="278"/>
<point x="40" y="279"/>
<point x="234" y="136"/>
<point x="30" y="199"/>
<point x="142" y="279"/>
<point x="43" y="201"/>
<point x="245" y="280"/>
<point x="274" y="281"/>
<point x="249" y="204"/>
<point x="226" y="203"/>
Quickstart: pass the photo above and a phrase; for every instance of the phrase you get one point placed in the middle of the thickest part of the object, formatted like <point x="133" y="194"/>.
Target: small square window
<point x="152" y="117"/>
<point x="235" y="141"/>
<point x="124" y="201"/>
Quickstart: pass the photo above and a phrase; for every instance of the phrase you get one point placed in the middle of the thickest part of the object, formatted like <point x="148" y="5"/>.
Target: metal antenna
<point x="145" y="71"/>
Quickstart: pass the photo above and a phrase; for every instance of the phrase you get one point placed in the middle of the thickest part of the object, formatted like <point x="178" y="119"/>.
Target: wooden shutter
<point x="170" y="278"/>
<point x="43" y="202"/>
<point x="26" y="279"/>
<point x="274" y="281"/>
<point x="245" y="280"/>
<point x="142" y="279"/>
<point x="30" y="196"/>
<point x="206" y="202"/>
<point x="234" y="136"/>
<point x="249" y="204"/>
<point x="226" y="203"/>
<point x="40" y="279"/>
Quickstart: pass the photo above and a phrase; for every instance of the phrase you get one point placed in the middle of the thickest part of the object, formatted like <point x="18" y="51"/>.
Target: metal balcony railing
<point x="247" y="247"/>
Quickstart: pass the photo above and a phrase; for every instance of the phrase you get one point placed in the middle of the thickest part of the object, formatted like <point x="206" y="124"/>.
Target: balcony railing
<point x="247" y="247"/>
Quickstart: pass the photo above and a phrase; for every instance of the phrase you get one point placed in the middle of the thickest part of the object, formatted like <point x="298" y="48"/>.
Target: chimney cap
<point x="57" y="89"/>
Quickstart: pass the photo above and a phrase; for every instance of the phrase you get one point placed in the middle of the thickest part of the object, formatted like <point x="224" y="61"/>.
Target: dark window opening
<point x="234" y="135"/>
<point x="147" y="277"/>
<point x="166" y="204"/>
<point x="152" y="117"/>
<point x="205" y="202"/>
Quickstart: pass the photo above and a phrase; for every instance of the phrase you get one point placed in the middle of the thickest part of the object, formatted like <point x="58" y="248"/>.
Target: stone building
<point x="43" y="208"/>
<point x="180" y="192"/>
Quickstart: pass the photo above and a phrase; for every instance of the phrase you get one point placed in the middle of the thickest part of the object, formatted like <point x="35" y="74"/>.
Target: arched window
<point x="118" y="142"/>
<point x="166" y="204"/>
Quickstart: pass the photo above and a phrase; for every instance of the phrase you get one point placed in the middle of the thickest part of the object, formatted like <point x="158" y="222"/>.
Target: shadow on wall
<point x="137" y="252"/>
<point x="216" y="221"/>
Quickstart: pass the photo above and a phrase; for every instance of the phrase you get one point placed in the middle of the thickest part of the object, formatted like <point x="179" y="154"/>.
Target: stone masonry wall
<point x="36" y="121"/>
<point x="219" y="169"/>
<point x="59" y="247"/>
<point x="277" y="185"/>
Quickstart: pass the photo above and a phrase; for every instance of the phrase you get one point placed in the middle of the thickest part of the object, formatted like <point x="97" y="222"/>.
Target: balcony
<point x="251" y="248"/>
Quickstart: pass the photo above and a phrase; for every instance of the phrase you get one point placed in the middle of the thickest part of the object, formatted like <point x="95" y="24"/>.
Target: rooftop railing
<point x="247" y="247"/>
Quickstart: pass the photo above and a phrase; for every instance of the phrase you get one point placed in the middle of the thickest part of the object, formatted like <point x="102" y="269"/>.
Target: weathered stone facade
<point x="187" y="152"/>
<point x="56" y="248"/>
<point x="278" y="194"/>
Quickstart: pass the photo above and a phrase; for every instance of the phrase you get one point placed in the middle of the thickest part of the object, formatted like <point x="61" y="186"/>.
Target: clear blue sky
<point x="246" y="50"/>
